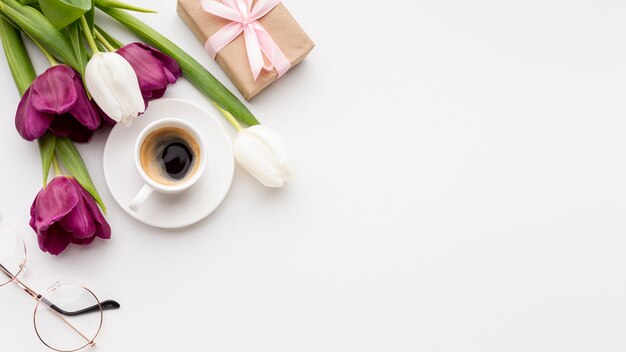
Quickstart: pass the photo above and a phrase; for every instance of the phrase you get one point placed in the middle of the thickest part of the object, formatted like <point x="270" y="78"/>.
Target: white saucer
<point x="170" y="211"/>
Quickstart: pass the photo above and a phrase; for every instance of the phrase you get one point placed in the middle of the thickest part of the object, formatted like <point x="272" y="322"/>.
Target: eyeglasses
<point x="67" y="317"/>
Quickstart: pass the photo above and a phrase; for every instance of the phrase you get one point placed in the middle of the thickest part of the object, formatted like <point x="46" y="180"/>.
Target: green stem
<point x="111" y="39"/>
<point x="56" y="166"/>
<point x="104" y="41"/>
<point x="46" y="53"/>
<point x="88" y="35"/>
<point x="233" y="121"/>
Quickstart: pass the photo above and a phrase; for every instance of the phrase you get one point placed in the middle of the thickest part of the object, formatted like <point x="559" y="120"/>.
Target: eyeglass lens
<point x="62" y="332"/>
<point x="12" y="254"/>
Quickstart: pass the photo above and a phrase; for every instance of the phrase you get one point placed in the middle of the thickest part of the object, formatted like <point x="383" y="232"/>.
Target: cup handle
<point x="141" y="197"/>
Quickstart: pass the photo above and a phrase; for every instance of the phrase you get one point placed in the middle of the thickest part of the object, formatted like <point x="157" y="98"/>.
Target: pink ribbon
<point x="244" y="19"/>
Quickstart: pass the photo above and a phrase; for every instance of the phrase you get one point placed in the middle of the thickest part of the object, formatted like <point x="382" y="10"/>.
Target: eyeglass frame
<point x="101" y="306"/>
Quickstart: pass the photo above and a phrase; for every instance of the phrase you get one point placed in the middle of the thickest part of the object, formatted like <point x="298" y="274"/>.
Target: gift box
<point x="241" y="57"/>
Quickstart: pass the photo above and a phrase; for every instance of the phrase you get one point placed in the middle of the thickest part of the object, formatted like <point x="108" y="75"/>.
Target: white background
<point x="461" y="186"/>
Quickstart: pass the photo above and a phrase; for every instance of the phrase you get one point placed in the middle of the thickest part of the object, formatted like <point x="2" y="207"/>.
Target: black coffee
<point x="177" y="159"/>
<point x="169" y="155"/>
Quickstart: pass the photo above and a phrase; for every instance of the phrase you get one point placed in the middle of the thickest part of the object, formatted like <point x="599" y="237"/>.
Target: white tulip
<point x="113" y="84"/>
<point x="263" y="153"/>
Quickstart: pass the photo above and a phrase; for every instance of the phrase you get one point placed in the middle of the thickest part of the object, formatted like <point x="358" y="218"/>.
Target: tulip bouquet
<point x="95" y="81"/>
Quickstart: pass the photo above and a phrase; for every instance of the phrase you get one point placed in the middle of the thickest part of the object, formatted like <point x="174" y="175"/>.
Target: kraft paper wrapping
<point x="233" y="59"/>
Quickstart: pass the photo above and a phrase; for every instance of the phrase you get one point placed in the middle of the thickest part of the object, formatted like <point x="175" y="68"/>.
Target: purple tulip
<point x="154" y="69"/>
<point x="56" y="101"/>
<point x="63" y="213"/>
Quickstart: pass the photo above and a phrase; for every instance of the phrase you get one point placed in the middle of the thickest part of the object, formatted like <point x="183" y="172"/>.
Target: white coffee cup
<point x="151" y="185"/>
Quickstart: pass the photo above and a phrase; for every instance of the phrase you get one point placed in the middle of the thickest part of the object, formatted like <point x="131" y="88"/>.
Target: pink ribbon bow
<point x="244" y="19"/>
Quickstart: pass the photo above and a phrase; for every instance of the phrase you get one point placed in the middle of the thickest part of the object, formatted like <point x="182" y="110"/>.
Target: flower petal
<point x="103" y="230"/>
<point x="168" y="62"/>
<point x="154" y="69"/>
<point x="126" y="87"/>
<point x="81" y="135"/>
<point x="149" y="70"/>
<point x="82" y="241"/>
<point x="157" y="93"/>
<point x="54" y="91"/>
<point x="53" y="240"/>
<point x="66" y="125"/>
<point x="53" y="202"/>
<point x="100" y="84"/>
<point x="104" y="118"/>
<point x="173" y="70"/>
<point x="30" y="123"/>
<point x="98" y="81"/>
<point x="84" y="110"/>
<point x="79" y="222"/>
<point x="64" y="212"/>
<point x="264" y="154"/>
<point x="114" y="86"/>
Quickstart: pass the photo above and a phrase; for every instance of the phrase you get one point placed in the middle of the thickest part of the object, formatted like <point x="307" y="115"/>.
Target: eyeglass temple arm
<point x="106" y="305"/>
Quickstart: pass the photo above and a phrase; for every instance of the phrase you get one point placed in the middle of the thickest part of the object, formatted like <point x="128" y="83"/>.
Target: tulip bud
<point x="56" y="102"/>
<point x="113" y="84"/>
<point x="263" y="153"/>
<point x="64" y="212"/>
<point x="155" y="70"/>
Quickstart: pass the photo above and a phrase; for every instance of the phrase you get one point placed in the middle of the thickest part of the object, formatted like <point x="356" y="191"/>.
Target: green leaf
<point x="202" y="79"/>
<point x="47" y="144"/>
<point x="70" y="157"/>
<point x="115" y="4"/>
<point x="76" y="38"/>
<point x="37" y="26"/>
<point x="24" y="74"/>
<point x="63" y="12"/>
<point x="17" y="57"/>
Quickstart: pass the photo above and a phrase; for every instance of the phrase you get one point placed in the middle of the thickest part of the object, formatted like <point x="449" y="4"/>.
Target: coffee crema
<point x="170" y="155"/>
